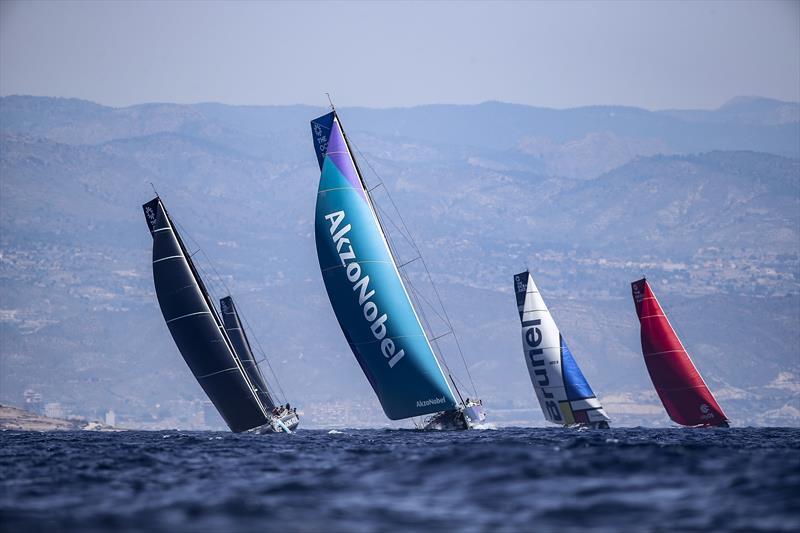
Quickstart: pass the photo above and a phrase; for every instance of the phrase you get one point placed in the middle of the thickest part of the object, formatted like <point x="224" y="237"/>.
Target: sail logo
<point x="533" y="338"/>
<point x="321" y="139"/>
<point x="521" y="287"/>
<point x="432" y="401"/>
<point x="637" y="296"/>
<point x="347" y="256"/>
<point x="151" y="216"/>
<point x="706" y="410"/>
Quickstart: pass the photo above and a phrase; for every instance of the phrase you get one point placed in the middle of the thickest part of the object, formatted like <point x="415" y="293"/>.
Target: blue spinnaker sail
<point x="574" y="381"/>
<point x="365" y="288"/>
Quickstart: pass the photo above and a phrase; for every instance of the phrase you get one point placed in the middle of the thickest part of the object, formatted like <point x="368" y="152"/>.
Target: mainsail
<point x="678" y="383"/>
<point x="365" y="288"/>
<point x="196" y="327"/>
<point x="563" y="392"/>
<point x="235" y="329"/>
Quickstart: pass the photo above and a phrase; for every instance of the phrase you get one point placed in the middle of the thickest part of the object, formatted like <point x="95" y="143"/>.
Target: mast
<point x="391" y="250"/>
<point x="680" y="386"/>
<point x="235" y="328"/>
<point x="365" y="288"/>
<point x="211" y="307"/>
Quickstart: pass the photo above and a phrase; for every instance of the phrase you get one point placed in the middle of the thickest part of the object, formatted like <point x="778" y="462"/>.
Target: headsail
<point x="365" y="288"/>
<point x="195" y="326"/>
<point x="230" y="318"/>
<point x="563" y="392"/>
<point x="678" y="383"/>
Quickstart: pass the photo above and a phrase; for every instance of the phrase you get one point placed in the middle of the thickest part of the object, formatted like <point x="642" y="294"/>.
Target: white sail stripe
<point x="233" y="329"/>
<point x="661" y="353"/>
<point x="218" y="372"/>
<point x="359" y="262"/>
<point x="169" y="257"/>
<point x="162" y="229"/>
<point x="337" y="189"/>
<point x="653" y="316"/>
<point x="190" y="314"/>
<point x="688" y="388"/>
<point x="585" y="403"/>
<point x="545" y="310"/>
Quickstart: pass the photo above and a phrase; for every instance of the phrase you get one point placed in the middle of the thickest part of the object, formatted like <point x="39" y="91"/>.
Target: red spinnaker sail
<point x="679" y="385"/>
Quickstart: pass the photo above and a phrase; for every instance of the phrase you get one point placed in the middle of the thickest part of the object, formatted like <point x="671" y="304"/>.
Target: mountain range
<point x="705" y="203"/>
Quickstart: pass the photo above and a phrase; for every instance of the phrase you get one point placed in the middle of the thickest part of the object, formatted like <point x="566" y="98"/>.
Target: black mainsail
<point x="233" y="325"/>
<point x="196" y="327"/>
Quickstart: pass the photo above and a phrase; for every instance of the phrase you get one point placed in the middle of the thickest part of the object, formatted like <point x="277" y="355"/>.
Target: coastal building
<point x="53" y="410"/>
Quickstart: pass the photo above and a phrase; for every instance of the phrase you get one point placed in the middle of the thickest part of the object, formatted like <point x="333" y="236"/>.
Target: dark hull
<point x="457" y="419"/>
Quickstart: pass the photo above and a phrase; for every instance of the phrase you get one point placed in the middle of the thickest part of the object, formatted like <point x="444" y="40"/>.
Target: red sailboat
<point x="678" y="383"/>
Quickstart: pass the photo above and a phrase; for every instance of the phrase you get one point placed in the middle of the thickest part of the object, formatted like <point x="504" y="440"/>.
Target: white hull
<point x="289" y="420"/>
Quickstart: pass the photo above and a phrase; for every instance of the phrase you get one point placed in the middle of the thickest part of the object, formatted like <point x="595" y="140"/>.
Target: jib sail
<point x="196" y="327"/>
<point x="563" y="392"/>
<point x="678" y="383"/>
<point x="230" y="318"/>
<point x="365" y="288"/>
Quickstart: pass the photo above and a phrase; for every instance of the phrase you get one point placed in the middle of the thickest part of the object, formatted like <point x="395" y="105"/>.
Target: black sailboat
<point x="200" y="335"/>
<point x="235" y="329"/>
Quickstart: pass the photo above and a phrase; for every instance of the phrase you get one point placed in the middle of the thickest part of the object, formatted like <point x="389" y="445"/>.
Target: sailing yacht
<point x="369" y="296"/>
<point x="222" y="364"/>
<point x="563" y="392"/>
<point x="235" y="329"/>
<point x="682" y="390"/>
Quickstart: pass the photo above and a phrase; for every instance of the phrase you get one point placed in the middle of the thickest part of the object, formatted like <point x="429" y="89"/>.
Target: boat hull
<point x="459" y="419"/>
<point x="290" y="420"/>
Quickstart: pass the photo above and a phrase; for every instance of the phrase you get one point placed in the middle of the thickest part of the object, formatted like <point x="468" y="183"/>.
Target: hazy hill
<point x="706" y="203"/>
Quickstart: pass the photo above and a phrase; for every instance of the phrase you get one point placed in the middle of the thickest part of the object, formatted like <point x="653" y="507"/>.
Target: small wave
<point x="485" y="426"/>
<point x="335" y="432"/>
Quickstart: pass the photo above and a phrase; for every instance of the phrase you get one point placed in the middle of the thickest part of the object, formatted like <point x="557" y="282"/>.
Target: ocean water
<point x="395" y="480"/>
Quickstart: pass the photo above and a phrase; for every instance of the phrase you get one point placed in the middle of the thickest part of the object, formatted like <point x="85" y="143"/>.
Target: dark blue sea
<point x="394" y="480"/>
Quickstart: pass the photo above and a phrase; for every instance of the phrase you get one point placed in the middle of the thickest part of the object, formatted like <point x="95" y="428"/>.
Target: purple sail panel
<point x="340" y="155"/>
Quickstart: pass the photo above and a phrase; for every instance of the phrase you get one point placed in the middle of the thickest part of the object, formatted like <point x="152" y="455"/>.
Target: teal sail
<point x="365" y="288"/>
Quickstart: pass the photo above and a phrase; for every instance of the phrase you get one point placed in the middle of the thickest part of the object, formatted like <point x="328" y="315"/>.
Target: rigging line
<point x="263" y="353"/>
<point x="408" y="262"/>
<point x="414" y="295"/>
<point x="458" y="344"/>
<point x="207" y="278"/>
<point x="408" y="238"/>
<point x="399" y="215"/>
<point x="430" y="305"/>
<point x="221" y="282"/>
<point x="430" y="278"/>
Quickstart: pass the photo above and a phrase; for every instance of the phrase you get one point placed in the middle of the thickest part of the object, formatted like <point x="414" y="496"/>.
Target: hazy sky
<point x="653" y="55"/>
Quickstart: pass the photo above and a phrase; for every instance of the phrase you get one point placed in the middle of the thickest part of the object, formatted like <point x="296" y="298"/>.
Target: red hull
<point x="678" y="383"/>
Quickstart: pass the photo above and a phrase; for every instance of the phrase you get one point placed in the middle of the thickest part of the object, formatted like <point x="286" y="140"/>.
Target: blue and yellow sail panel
<point x="365" y="289"/>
